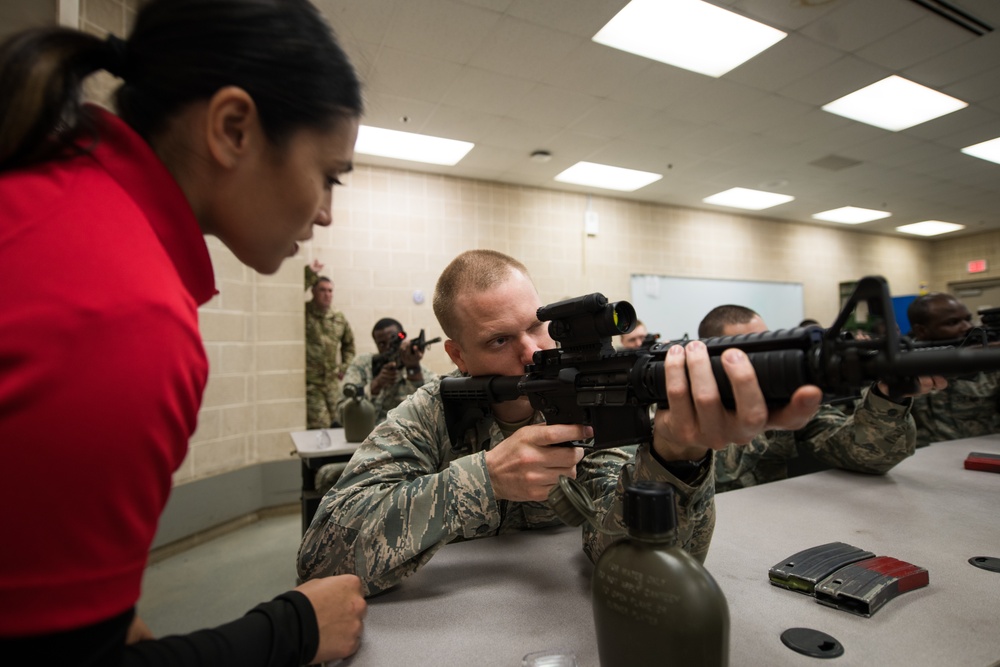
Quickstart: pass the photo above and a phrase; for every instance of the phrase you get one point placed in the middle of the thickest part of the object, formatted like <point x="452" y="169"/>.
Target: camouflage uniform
<point x="360" y="372"/>
<point x="963" y="409"/>
<point x="877" y="436"/>
<point x="328" y="336"/>
<point x="408" y="491"/>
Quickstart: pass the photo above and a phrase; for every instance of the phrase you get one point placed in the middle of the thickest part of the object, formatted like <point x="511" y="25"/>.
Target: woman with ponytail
<point x="235" y="118"/>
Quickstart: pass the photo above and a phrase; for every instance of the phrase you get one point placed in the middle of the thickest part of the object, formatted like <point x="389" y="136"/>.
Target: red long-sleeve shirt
<point x="102" y="368"/>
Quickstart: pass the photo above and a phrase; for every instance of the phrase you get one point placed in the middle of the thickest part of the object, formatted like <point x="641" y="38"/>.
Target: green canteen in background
<point x="358" y="414"/>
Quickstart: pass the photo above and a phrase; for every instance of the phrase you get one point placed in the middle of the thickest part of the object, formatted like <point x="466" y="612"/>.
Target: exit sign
<point x="977" y="266"/>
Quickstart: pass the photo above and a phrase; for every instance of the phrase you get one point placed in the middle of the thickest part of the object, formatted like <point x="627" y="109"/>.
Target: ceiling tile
<point x="787" y="61"/>
<point x="807" y="126"/>
<point x="925" y="38"/>
<point x="577" y="17"/>
<point x="495" y="5"/>
<point x="782" y="15"/>
<point x="460" y="29"/>
<point x="521" y="49"/>
<point x="460" y="123"/>
<point x="396" y="113"/>
<point x="959" y="121"/>
<point x="658" y="86"/>
<point x="612" y="119"/>
<point x="409" y="75"/>
<point x="857" y="23"/>
<point x="834" y="81"/>
<point x="764" y="113"/>
<point x="355" y="21"/>
<point x="976" y="88"/>
<point x="596" y="69"/>
<point x="549" y="104"/>
<point x="481" y="90"/>
<point x="717" y="99"/>
<point x="958" y="64"/>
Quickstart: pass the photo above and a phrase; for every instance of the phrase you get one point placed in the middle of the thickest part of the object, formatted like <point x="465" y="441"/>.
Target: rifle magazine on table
<point x="864" y="587"/>
<point x="802" y="571"/>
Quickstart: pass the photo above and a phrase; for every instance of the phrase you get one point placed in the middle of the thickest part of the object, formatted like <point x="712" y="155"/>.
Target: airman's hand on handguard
<point x="697" y="420"/>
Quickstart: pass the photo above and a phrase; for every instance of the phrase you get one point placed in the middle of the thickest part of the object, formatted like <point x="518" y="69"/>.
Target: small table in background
<point x="316" y="448"/>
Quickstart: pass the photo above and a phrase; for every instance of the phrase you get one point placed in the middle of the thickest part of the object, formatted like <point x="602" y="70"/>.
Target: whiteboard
<point x="673" y="306"/>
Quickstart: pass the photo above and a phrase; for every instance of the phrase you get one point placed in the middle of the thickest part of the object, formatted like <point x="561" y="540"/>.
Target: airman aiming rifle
<point x="391" y="356"/>
<point x="585" y="381"/>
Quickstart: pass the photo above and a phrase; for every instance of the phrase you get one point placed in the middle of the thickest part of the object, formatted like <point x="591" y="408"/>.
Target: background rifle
<point x="987" y="332"/>
<point x="418" y="344"/>
<point x="585" y="381"/>
<point x="990" y="317"/>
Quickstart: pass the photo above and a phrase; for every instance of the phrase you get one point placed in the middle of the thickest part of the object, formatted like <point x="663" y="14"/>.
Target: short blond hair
<point x="473" y="270"/>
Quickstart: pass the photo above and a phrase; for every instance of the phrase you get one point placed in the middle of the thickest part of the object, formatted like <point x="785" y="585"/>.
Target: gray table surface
<point x="489" y="602"/>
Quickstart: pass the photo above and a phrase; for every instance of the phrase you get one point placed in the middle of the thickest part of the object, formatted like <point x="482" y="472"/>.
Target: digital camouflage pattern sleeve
<point x="964" y="409"/>
<point x="695" y="506"/>
<point x="408" y="491"/>
<point x="876" y="437"/>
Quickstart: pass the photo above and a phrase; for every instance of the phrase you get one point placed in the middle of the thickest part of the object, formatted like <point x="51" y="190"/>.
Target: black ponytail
<point x="41" y="74"/>
<point x="282" y="52"/>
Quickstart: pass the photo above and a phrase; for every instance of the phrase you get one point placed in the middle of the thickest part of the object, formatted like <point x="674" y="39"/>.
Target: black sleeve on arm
<point x="282" y="633"/>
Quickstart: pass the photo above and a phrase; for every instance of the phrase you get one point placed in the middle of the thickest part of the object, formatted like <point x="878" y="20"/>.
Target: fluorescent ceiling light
<point x="410" y="146"/>
<point x="894" y="103"/>
<point x="987" y="150"/>
<point x="689" y="34"/>
<point x="607" y="177"/>
<point x="752" y="200"/>
<point x="930" y="228"/>
<point x="851" y="215"/>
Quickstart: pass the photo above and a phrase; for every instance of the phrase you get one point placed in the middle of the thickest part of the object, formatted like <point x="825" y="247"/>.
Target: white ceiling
<point x="515" y="76"/>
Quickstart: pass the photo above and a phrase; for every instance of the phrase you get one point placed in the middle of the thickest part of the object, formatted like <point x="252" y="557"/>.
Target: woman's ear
<point x="232" y="126"/>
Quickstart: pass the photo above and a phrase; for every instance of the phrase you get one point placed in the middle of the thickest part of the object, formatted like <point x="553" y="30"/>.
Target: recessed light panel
<point x="987" y="150"/>
<point x="851" y="215"/>
<point x="607" y="177"/>
<point x="689" y="34"/>
<point x="410" y="146"/>
<point x="930" y="228"/>
<point x="894" y="103"/>
<point x="751" y="200"/>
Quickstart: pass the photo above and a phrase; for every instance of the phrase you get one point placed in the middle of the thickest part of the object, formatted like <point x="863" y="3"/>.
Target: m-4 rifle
<point x="585" y="381"/>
